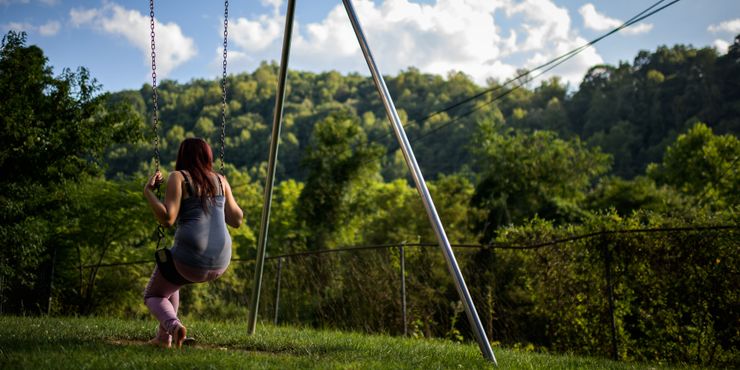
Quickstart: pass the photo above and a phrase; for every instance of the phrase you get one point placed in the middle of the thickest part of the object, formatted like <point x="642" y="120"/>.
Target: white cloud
<point x="273" y="3"/>
<point x="596" y="21"/>
<point x="722" y="46"/>
<point x="459" y="35"/>
<point x="731" y="26"/>
<point x="10" y="2"/>
<point x="255" y="35"/>
<point x="544" y="22"/>
<point x="45" y="2"/>
<point x="438" y="38"/>
<point x="78" y="17"/>
<point x="573" y="69"/>
<point x="172" y="46"/>
<point x="50" y="28"/>
<point x="19" y="26"/>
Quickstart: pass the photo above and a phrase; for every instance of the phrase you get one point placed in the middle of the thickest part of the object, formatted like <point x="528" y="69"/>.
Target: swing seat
<point x="166" y="266"/>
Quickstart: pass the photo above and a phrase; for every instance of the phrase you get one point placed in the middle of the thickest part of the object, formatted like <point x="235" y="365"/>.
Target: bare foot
<point x="159" y="343"/>
<point x="178" y="336"/>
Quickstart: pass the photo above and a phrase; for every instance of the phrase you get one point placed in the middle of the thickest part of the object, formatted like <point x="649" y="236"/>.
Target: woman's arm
<point x="165" y="213"/>
<point x="232" y="211"/>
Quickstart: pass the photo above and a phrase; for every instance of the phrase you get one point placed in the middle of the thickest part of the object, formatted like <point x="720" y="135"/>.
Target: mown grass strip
<point x="102" y="343"/>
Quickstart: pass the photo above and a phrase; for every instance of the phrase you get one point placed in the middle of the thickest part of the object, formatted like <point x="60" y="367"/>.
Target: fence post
<point x="610" y="294"/>
<point x="51" y="281"/>
<point x="403" y="289"/>
<point x="277" y="289"/>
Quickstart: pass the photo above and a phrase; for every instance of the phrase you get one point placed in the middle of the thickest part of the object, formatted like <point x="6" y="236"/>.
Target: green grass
<point x="95" y="343"/>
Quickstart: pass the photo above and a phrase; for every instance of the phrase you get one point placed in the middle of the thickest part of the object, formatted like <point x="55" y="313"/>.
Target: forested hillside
<point x="631" y="111"/>
<point x="599" y="219"/>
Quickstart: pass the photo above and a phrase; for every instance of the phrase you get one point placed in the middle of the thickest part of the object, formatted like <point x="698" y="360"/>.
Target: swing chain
<point x="155" y="103"/>
<point x="155" y="114"/>
<point x="223" y="84"/>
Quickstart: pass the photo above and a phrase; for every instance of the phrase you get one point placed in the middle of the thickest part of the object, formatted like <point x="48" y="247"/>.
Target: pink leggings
<point x="163" y="298"/>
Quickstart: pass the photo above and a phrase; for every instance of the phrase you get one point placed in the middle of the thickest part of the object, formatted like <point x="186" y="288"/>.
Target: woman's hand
<point x="165" y="211"/>
<point x="232" y="211"/>
<point x="154" y="181"/>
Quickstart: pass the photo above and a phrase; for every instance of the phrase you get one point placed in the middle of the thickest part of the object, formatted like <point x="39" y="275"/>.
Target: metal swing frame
<point x="421" y="187"/>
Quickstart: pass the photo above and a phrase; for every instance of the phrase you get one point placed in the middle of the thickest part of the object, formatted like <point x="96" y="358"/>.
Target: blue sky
<point x="483" y="38"/>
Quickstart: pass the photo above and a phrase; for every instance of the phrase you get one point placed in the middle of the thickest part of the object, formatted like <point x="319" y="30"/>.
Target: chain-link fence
<point x="631" y="294"/>
<point x="644" y="294"/>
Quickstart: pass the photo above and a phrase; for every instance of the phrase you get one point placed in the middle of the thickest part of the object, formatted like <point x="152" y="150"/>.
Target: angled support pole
<point x="408" y="154"/>
<point x="421" y="187"/>
<point x="271" y="164"/>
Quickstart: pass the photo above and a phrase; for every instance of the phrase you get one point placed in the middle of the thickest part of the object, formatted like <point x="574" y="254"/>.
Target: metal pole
<point x="610" y="296"/>
<point x="403" y="290"/>
<point x="421" y="187"/>
<point x="277" y="289"/>
<point x="51" y="281"/>
<point x="2" y="296"/>
<point x="271" y="164"/>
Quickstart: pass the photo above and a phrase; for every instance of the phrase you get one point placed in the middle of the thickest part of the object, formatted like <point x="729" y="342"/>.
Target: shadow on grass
<point x="293" y="350"/>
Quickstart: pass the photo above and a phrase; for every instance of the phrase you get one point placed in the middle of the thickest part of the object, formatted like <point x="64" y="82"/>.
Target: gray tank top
<point x="201" y="239"/>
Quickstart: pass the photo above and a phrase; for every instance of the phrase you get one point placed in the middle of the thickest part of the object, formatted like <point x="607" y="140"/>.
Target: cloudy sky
<point x="483" y="38"/>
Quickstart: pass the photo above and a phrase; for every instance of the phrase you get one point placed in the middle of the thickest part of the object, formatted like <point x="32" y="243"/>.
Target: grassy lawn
<point x="94" y="343"/>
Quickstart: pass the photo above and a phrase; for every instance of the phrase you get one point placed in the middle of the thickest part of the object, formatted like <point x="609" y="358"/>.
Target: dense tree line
<point x="631" y="111"/>
<point x="647" y="145"/>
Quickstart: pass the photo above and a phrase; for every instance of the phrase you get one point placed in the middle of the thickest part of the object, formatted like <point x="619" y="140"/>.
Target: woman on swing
<point x="201" y="202"/>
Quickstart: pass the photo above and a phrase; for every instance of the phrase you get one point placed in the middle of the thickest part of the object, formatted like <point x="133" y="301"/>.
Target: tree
<point x="337" y="158"/>
<point x="628" y="196"/>
<point x="104" y="221"/>
<point x="702" y="164"/>
<point x="54" y="130"/>
<point x="523" y="175"/>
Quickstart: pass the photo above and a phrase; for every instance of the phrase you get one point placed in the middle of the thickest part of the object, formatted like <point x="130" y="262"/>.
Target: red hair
<point x="196" y="157"/>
